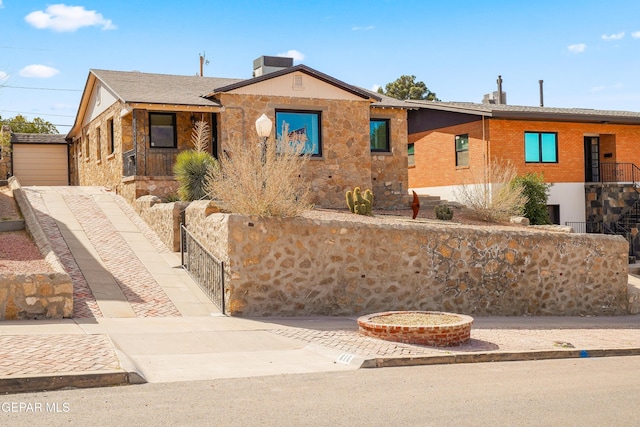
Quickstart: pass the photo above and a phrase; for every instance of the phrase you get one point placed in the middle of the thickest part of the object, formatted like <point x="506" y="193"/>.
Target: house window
<point x="162" y="130"/>
<point x="98" y="144"/>
<point x="110" y="136"/>
<point x="462" y="150"/>
<point x="540" y="147"/>
<point x="303" y="126"/>
<point x="411" y="155"/>
<point x="379" y="135"/>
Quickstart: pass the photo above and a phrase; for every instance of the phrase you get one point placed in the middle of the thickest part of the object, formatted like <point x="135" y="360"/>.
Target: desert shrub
<point x="192" y="166"/>
<point x="493" y="195"/>
<point x="250" y="184"/>
<point x="537" y="193"/>
<point x="444" y="212"/>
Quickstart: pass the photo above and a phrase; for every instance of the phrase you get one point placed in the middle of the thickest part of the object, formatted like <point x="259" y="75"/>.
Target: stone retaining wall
<point x="36" y="295"/>
<point x="163" y="218"/>
<point x="342" y="264"/>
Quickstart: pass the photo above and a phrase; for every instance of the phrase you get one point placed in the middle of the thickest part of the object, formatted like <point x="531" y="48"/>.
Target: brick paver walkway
<point x="143" y="293"/>
<point x="56" y="354"/>
<point x="482" y="340"/>
<point x="84" y="303"/>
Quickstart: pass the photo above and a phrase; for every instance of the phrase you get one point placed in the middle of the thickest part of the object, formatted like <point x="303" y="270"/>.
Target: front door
<point x="591" y="159"/>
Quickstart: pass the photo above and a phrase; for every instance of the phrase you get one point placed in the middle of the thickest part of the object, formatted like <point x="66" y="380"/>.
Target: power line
<point x="41" y="114"/>
<point x="41" y="88"/>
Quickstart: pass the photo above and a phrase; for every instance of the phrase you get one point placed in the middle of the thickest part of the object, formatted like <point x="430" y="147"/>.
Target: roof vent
<point x="269" y="64"/>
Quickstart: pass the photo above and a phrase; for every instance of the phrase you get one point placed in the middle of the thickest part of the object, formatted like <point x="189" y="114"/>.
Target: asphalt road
<point x="575" y="392"/>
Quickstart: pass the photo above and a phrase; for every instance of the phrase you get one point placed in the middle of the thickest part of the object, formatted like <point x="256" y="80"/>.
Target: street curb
<point x="448" y="359"/>
<point x="29" y="384"/>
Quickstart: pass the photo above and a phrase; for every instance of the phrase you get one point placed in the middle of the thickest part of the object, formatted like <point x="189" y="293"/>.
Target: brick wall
<point x="435" y="150"/>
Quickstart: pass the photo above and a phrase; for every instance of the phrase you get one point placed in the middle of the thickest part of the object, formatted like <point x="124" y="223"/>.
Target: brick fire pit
<point x="432" y="328"/>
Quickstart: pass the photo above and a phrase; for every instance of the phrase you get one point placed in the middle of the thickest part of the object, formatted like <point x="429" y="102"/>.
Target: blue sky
<point x="587" y="52"/>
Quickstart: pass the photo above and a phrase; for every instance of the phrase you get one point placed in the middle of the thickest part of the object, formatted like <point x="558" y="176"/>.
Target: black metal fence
<point x="586" y="227"/>
<point x="205" y="269"/>
<point x="619" y="172"/>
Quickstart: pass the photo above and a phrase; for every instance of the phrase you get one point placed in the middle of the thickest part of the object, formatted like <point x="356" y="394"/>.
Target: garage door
<point x="41" y="164"/>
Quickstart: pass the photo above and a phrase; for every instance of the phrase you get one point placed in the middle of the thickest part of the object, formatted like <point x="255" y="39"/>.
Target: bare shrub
<point x="250" y="183"/>
<point x="493" y="195"/>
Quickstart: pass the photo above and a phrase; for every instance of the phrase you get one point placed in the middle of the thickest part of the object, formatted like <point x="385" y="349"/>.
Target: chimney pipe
<point x="541" y="93"/>
<point x="201" y="65"/>
<point x="499" y="89"/>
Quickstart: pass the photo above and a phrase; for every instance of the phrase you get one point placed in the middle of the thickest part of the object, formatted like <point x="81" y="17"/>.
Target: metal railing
<point x="619" y="172"/>
<point x="205" y="269"/>
<point x="586" y="227"/>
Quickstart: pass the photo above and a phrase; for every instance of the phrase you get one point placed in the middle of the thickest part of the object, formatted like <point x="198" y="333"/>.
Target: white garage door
<point x="41" y="164"/>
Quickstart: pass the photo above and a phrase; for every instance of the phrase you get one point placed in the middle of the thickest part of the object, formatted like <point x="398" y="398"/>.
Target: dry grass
<point x="252" y="184"/>
<point x="493" y="196"/>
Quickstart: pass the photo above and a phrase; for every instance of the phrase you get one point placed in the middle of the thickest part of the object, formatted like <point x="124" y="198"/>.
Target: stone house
<point x="130" y="127"/>
<point x="590" y="156"/>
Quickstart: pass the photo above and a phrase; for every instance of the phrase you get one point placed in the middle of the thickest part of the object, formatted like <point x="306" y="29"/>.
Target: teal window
<point x="303" y="127"/>
<point x="462" y="150"/>
<point x="379" y="135"/>
<point x="412" y="154"/>
<point x="162" y="130"/>
<point x="541" y="147"/>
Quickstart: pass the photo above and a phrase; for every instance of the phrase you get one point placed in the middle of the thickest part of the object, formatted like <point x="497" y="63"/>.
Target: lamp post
<point x="263" y="127"/>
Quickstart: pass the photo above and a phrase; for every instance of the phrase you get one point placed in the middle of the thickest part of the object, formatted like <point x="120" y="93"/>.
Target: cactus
<point x="444" y="212"/>
<point x="358" y="202"/>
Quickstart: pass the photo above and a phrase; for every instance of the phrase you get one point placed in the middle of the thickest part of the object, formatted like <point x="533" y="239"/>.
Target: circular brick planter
<point x="439" y="329"/>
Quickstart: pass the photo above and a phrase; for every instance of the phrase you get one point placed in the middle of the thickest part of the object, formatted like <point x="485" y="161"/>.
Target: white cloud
<point x="597" y="88"/>
<point x="3" y="76"/>
<point x="367" y="28"/>
<point x="297" y="56"/>
<point x="609" y="37"/>
<point x="636" y="34"/>
<point x="38" y="71"/>
<point x="577" y="48"/>
<point x="1" y="6"/>
<point x="375" y="88"/>
<point x="60" y="17"/>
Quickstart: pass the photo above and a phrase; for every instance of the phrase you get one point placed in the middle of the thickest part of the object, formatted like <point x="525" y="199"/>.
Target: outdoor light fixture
<point x="263" y="127"/>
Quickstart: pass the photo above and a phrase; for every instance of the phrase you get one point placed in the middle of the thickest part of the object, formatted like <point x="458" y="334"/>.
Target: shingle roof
<point x="133" y="86"/>
<point x="37" y="138"/>
<point x="528" y="112"/>
<point x="387" y="101"/>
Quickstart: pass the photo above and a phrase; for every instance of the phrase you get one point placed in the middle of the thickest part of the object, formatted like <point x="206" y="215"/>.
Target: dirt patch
<point x="8" y="207"/>
<point x="416" y="319"/>
<point x="20" y="255"/>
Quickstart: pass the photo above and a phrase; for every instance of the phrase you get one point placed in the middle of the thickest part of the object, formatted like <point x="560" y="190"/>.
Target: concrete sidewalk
<point x="105" y="351"/>
<point x="139" y="317"/>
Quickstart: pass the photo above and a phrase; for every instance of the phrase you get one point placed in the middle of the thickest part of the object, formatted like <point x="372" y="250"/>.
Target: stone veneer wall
<point x="606" y="202"/>
<point x="342" y="265"/>
<point x="162" y="218"/>
<point x="36" y="295"/>
<point x="389" y="174"/>
<point x="346" y="158"/>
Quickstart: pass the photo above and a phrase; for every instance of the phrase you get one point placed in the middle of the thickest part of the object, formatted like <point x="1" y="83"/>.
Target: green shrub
<point x="537" y="192"/>
<point x="193" y="166"/>
<point x="191" y="169"/>
<point x="444" y="212"/>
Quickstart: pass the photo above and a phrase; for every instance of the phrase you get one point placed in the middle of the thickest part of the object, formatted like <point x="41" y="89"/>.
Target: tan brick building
<point x="131" y="126"/>
<point x="577" y="150"/>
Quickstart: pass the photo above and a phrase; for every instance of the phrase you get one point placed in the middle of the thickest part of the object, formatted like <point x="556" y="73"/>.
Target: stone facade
<point x="346" y="160"/>
<point x="341" y="264"/>
<point x="35" y="296"/>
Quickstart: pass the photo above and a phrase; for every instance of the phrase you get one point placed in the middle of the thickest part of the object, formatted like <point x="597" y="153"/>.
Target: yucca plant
<point x="193" y="166"/>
